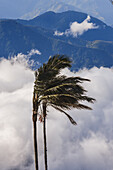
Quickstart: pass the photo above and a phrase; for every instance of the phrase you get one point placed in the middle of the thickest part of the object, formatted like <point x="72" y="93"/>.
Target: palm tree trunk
<point x="35" y="145"/>
<point x="44" y="132"/>
<point x="35" y="109"/>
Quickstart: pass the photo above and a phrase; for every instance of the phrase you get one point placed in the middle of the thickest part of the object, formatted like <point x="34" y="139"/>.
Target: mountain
<point x="61" y="22"/>
<point x="50" y="6"/>
<point x="27" y="9"/>
<point x="101" y="9"/>
<point x="91" y="48"/>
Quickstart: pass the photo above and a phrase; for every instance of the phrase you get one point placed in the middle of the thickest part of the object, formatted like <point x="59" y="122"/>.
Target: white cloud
<point x="25" y="59"/>
<point x="88" y="146"/>
<point x="15" y="110"/>
<point x="34" y="51"/>
<point x="57" y="33"/>
<point x="78" y="28"/>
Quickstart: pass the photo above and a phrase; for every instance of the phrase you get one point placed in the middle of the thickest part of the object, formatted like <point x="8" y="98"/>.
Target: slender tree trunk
<point x="35" y="109"/>
<point x="35" y="145"/>
<point x="44" y="133"/>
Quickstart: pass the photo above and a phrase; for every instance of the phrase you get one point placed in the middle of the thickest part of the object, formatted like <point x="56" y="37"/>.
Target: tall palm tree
<point x="53" y="68"/>
<point x="58" y="91"/>
<point x="34" y="118"/>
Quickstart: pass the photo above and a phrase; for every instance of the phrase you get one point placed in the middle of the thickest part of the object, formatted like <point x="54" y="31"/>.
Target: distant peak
<point x="48" y="13"/>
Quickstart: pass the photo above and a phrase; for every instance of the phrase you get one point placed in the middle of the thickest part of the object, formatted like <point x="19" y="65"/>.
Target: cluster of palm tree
<point x="56" y="90"/>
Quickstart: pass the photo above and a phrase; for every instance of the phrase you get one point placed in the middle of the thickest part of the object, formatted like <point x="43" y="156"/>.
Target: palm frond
<point x="81" y="106"/>
<point x="62" y="111"/>
<point x="60" y="91"/>
<point x="61" y="84"/>
<point x="86" y="98"/>
<point x="65" y="101"/>
<point x="59" y="62"/>
<point x="68" y="96"/>
<point x="53" y="67"/>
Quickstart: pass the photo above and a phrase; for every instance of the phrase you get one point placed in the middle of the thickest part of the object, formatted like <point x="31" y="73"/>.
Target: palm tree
<point x="34" y="118"/>
<point x="45" y="75"/>
<point x="58" y="91"/>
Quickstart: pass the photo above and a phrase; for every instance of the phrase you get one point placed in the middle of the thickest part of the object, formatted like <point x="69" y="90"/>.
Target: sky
<point x="87" y="146"/>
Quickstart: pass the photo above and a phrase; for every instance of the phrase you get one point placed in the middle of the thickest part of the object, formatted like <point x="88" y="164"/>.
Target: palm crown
<point x="59" y="91"/>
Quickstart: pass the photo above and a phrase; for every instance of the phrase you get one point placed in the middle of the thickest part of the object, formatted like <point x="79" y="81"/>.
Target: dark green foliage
<point x="55" y="63"/>
<point x="60" y="92"/>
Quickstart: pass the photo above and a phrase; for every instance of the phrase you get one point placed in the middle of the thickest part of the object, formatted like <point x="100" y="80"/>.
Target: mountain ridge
<point x="20" y="36"/>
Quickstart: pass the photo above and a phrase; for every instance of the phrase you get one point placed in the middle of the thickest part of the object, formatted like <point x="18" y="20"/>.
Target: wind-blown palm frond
<point x="58" y="62"/>
<point x="53" y="67"/>
<point x="59" y="90"/>
<point x="65" y="102"/>
<point x="61" y="84"/>
<point x="62" y="111"/>
<point x="66" y="90"/>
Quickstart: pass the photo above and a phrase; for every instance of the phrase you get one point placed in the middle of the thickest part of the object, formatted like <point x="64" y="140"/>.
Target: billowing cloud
<point x="15" y="110"/>
<point x="25" y="59"/>
<point x="78" y="28"/>
<point x="88" y="146"/>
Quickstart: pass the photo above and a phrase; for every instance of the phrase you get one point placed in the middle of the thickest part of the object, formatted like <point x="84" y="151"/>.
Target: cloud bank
<point x="88" y="146"/>
<point x="77" y="28"/>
